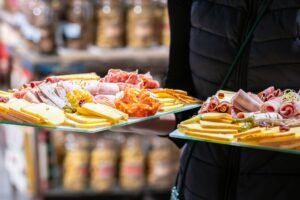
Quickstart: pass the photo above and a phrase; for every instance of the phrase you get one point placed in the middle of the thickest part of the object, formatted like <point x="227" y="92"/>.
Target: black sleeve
<point x="179" y="73"/>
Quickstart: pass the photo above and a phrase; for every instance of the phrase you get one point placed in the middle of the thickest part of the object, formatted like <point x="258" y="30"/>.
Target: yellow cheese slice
<point x="211" y="136"/>
<point x="261" y="136"/>
<point x="287" y="138"/>
<point x="218" y="125"/>
<point x="15" y="110"/>
<point x="248" y="132"/>
<point x="167" y="100"/>
<point x="215" y="116"/>
<point x="49" y="114"/>
<point x="198" y="128"/>
<point x="4" y="107"/>
<point x="83" y="76"/>
<point x="9" y="118"/>
<point x="294" y="145"/>
<point x="104" y="111"/>
<point x="87" y="126"/>
<point x="172" y="107"/>
<point x="85" y="119"/>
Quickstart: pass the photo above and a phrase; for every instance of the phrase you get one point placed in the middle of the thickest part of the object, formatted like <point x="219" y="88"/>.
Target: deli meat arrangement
<point x="88" y="101"/>
<point x="269" y="118"/>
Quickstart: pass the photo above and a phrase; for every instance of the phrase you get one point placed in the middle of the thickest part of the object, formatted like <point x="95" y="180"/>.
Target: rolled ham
<point x="224" y="107"/>
<point x="244" y="102"/>
<point x="287" y="109"/>
<point x="263" y="94"/>
<point x="272" y="105"/>
<point x="255" y="97"/>
<point x="213" y="104"/>
<point x="96" y="88"/>
<point x="204" y="108"/>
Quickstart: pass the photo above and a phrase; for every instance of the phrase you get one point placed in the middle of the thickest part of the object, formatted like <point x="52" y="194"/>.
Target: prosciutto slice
<point x="287" y="109"/>
<point x="96" y="88"/>
<point x="244" y="102"/>
<point x="272" y="105"/>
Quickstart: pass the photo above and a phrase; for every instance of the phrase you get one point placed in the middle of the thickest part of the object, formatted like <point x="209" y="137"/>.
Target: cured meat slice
<point x="287" y="109"/>
<point x="29" y="96"/>
<point x="255" y="97"/>
<point x="213" y="104"/>
<point x="204" y="108"/>
<point x="272" y="105"/>
<point x="97" y="87"/>
<point x="44" y="99"/>
<point x="263" y="94"/>
<point x="224" y="107"/>
<point x="49" y="92"/>
<point x="60" y="91"/>
<point x="244" y="102"/>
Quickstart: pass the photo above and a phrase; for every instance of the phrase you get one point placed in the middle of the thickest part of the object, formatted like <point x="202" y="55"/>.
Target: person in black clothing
<point x="205" y="38"/>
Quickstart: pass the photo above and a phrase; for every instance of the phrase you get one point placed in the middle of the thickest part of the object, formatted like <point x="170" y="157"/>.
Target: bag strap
<point x="261" y="12"/>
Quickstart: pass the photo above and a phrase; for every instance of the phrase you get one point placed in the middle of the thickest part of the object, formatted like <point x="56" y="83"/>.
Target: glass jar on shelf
<point x="132" y="166"/>
<point x="110" y="24"/>
<point x="76" y="162"/>
<point x="166" y="25"/>
<point x="140" y="24"/>
<point x="103" y="165"/>
<point x="41" y="31"/>
<point x="163" y="162"/>
<point x="78" y="26"/>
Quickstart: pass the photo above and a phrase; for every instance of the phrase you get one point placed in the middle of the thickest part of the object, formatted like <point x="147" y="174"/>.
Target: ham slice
<point x="49" y="92"/>
<point x="272" y="105"/>
<point x="224" y="107"/>
<point x="287" y="109"/>
<point x="96" y="87"/>
<point x="213" y="104"/>
<point x="263" y="94"/>
<point x="244" y="102"/>
<point x="30" y="96"/>
<point x="204" y="108"/>
<point x="255" y="97"/>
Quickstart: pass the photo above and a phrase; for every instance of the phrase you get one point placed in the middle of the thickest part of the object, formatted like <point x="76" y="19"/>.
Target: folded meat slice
<point x="31" y="97"/>
<point x="272" y="105"/>
<point x="287" y="109"/>
<point x="267" y="92"/>
<point x="49" y="92"/>
<point x="61" y="92"/>
<point x="68" y="85"/>
<point x="244" y="102"/>
<point x="44" y="99"/>
<point x="96" y="87"/>
<point x="255" y="97"/>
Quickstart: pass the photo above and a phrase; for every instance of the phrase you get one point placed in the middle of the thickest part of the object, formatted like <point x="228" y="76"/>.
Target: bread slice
<point x="85" y="119"/>
<point x="87" y="126"/>
<point x="49" y="114"/>
<point x="105" y="111"/>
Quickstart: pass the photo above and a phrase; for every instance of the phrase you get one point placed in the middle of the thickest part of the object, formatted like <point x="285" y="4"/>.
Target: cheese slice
<point x="288" y="138"/>
<point x="9" y="118"/>
<point x="215" y="116"/>
<point x="172" y="107"/>
<point x="87" y="126"/>
<point x="84" y="119"/>
<point x="218" y="125"/>
<point x="294" y="145"/>
<point x="105" y="111"/>
<point x="167" y="100"/>
<point x="83" y="76"/>
<point x="198" y="128"/>
<point x="248" y="132"/>
<point x="261" y="136"/>
<point x="4" y="107"/>
<point x="15" y="110"/>
<point x="49" y="114"/>
<point x="211" y="136"/>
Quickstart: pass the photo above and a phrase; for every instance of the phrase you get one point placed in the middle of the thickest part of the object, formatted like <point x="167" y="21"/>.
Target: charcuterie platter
<point x="268" y="120"/>
<point x="88" y="103"/>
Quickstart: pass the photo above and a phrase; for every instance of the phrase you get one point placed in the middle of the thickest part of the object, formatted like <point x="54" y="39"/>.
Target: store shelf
<point x="117" y="193"/>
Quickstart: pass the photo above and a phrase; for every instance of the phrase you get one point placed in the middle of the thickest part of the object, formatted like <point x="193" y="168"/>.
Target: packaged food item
<point x="42" y="30"/>
<point x="76" y="163"/>
<point x="132" y="166"/>
<point x="158" y="21"/>
<point x="163" y="162"/>
<point x="103" y="165"/>
<point x="78" y="26"/>
<point x="166" y="25"/>
<point x="110" y="24"/>
<point x="140" y="24"/>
